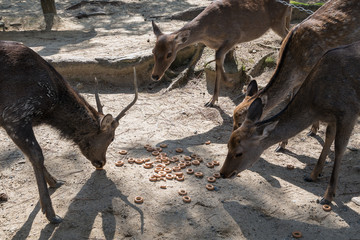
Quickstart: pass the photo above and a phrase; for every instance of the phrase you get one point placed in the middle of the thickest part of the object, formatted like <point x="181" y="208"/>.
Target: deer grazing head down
<point x="94" y="145"/>
<point x="33" y="93"/>
<point x="165" y="50"/>
<point x="244" y="147"/>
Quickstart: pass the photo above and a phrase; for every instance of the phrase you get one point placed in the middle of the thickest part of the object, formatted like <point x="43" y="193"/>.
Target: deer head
<point x="166" y="47"/>
<point x="245" y="144"/>
<point x="94" y="146"/>
<point x="241" y="110"/>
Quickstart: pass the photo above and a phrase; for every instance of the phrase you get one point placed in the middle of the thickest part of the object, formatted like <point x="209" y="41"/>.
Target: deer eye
<point x="169" y="55"/>
<point x="238" y="155"/>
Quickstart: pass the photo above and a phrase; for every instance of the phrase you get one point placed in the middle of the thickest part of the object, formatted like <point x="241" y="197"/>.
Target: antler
<point x="122" y="113"/>
<point x="98" y="103"/>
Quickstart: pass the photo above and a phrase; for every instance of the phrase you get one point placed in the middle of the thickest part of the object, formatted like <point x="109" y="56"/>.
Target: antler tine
<point x="122" y="113"/>
<point x="98" y="103"/>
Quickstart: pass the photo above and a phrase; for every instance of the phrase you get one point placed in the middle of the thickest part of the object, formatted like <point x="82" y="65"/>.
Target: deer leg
<point x="282" y="146"/>
<point x="24" y="138"/>
<point x="219" y="69"/>
<point x="329" y="138"/>
<point x="343" y="132"/>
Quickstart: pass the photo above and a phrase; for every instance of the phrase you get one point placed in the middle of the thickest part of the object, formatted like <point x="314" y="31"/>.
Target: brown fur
<point x="220" y="26"/>
<point x="336" y="23"/>
<point x="337" y="104"/>
<point x="32" y="92"/>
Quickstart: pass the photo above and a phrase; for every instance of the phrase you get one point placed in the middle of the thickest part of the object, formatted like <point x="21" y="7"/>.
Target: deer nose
<point x="222" y="175"/>
<point x="155" y="77"/>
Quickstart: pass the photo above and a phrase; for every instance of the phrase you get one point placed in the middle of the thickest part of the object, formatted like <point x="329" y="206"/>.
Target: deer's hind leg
<point x="23" y="136"/>
<point x="343" y="132"/>
<point x="329" y="139"/>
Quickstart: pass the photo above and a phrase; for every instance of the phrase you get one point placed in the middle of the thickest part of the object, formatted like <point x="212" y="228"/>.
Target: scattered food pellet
<point x="195" y="162"/>
<point x="131" y="160"/>
<point x="139" y="161"/>
<point x="211" y="179"/>
<point x="290" y="167"/>
<point x="182" y="192"/>
<point x="163" y="187"/>
<point x="326" y="208"/>
<point x="210" y="187"/>
<point x="187" y="158"/>
<point x="138" y="200"/>
<point x="217" y="175"/>
<point x="210" y="165"/>
<point x="199" y="174"/>
<point x="186" y="199"/>
<point x="296" y="234"/>
<point x="3" y="197"/>
<point x="207" y="142"/>
<point x="163" y="145"/>
<point x="119" y="163"/>
<point x="189" y="171"/>
<point x="147" y="146"/>
<point x="123" y="152"/>
<point x="216" y="163"/>
<point x="179" y="150"/>
<point x="155" y="153"/>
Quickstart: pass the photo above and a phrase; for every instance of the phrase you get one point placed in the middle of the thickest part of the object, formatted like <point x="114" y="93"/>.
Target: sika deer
<point x="32" y="92"/>
<point x="337" y="104"/>
<point x="334" y="24"/>
<point x="220" y="26"/>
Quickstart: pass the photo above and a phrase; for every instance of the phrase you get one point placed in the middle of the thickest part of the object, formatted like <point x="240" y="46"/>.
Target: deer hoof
<point x="324" y="201"/>
<point x="311" y="134"/>
<point x="308" y="179"/>
<point x="209" y="104"/>
<point x="56" y="220"/>
<point x="280" y="149"/>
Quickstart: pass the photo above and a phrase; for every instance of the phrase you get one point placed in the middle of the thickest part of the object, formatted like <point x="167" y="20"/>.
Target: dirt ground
<point x="267" y="201"/>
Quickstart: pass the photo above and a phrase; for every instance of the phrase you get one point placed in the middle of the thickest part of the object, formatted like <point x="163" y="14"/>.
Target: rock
<point x="356" y="200"/>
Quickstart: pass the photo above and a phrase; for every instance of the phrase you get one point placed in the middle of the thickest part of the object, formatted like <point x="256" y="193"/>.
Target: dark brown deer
<point x="220" y="26"/>
<point x="330" y="93"/>
<point x="32" y="92"/>
<point x="334" y="24"/>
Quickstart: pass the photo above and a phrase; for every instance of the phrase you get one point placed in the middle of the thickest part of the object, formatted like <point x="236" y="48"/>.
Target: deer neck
<point x="196" y="34"/>
<point x="74" y="117"/>
<point x="293" y="119"/>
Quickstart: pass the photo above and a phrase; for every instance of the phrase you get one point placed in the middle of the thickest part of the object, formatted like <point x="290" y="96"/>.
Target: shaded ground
<point x="267" y="201"/>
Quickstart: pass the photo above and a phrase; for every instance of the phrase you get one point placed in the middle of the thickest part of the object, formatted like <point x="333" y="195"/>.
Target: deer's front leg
<point x="220" y="72"/>
<point x="24" y="138"/>
<point x="329" y="138"/>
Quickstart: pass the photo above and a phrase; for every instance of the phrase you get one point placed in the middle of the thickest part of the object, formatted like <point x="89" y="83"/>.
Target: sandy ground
<point x="268" y="201"/>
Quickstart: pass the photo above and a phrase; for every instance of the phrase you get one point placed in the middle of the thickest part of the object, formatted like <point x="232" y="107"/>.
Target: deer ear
<point x="182" y="37"/>
<point x="156" y="29"/>
<point x="255" y="110"/>
<point x="268" y="128"/>
<point x="106" y="121"/>
<point x="252" y="88"/>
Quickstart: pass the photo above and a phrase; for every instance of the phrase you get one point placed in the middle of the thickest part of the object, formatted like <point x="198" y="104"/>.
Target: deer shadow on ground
<point x="93" y="200"/>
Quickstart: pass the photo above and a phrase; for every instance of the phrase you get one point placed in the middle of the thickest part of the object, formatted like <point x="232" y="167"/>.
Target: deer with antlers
<point x="220" y="26"/>
<point x="334" y="24"/>
<point x="337" y="104"/>
<point x="32" y="92"/>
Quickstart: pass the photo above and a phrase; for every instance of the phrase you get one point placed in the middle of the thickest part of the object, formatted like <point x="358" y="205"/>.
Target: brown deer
<point x="337" y="104"/>
<point x="32" y="92"/>
<point x="220" y="26"/>
<point x="334" y="24"/>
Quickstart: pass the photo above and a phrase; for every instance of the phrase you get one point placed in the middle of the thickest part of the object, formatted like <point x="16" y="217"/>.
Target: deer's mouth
<point x="230" y="175"/>
<point x="98" y="164"/>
